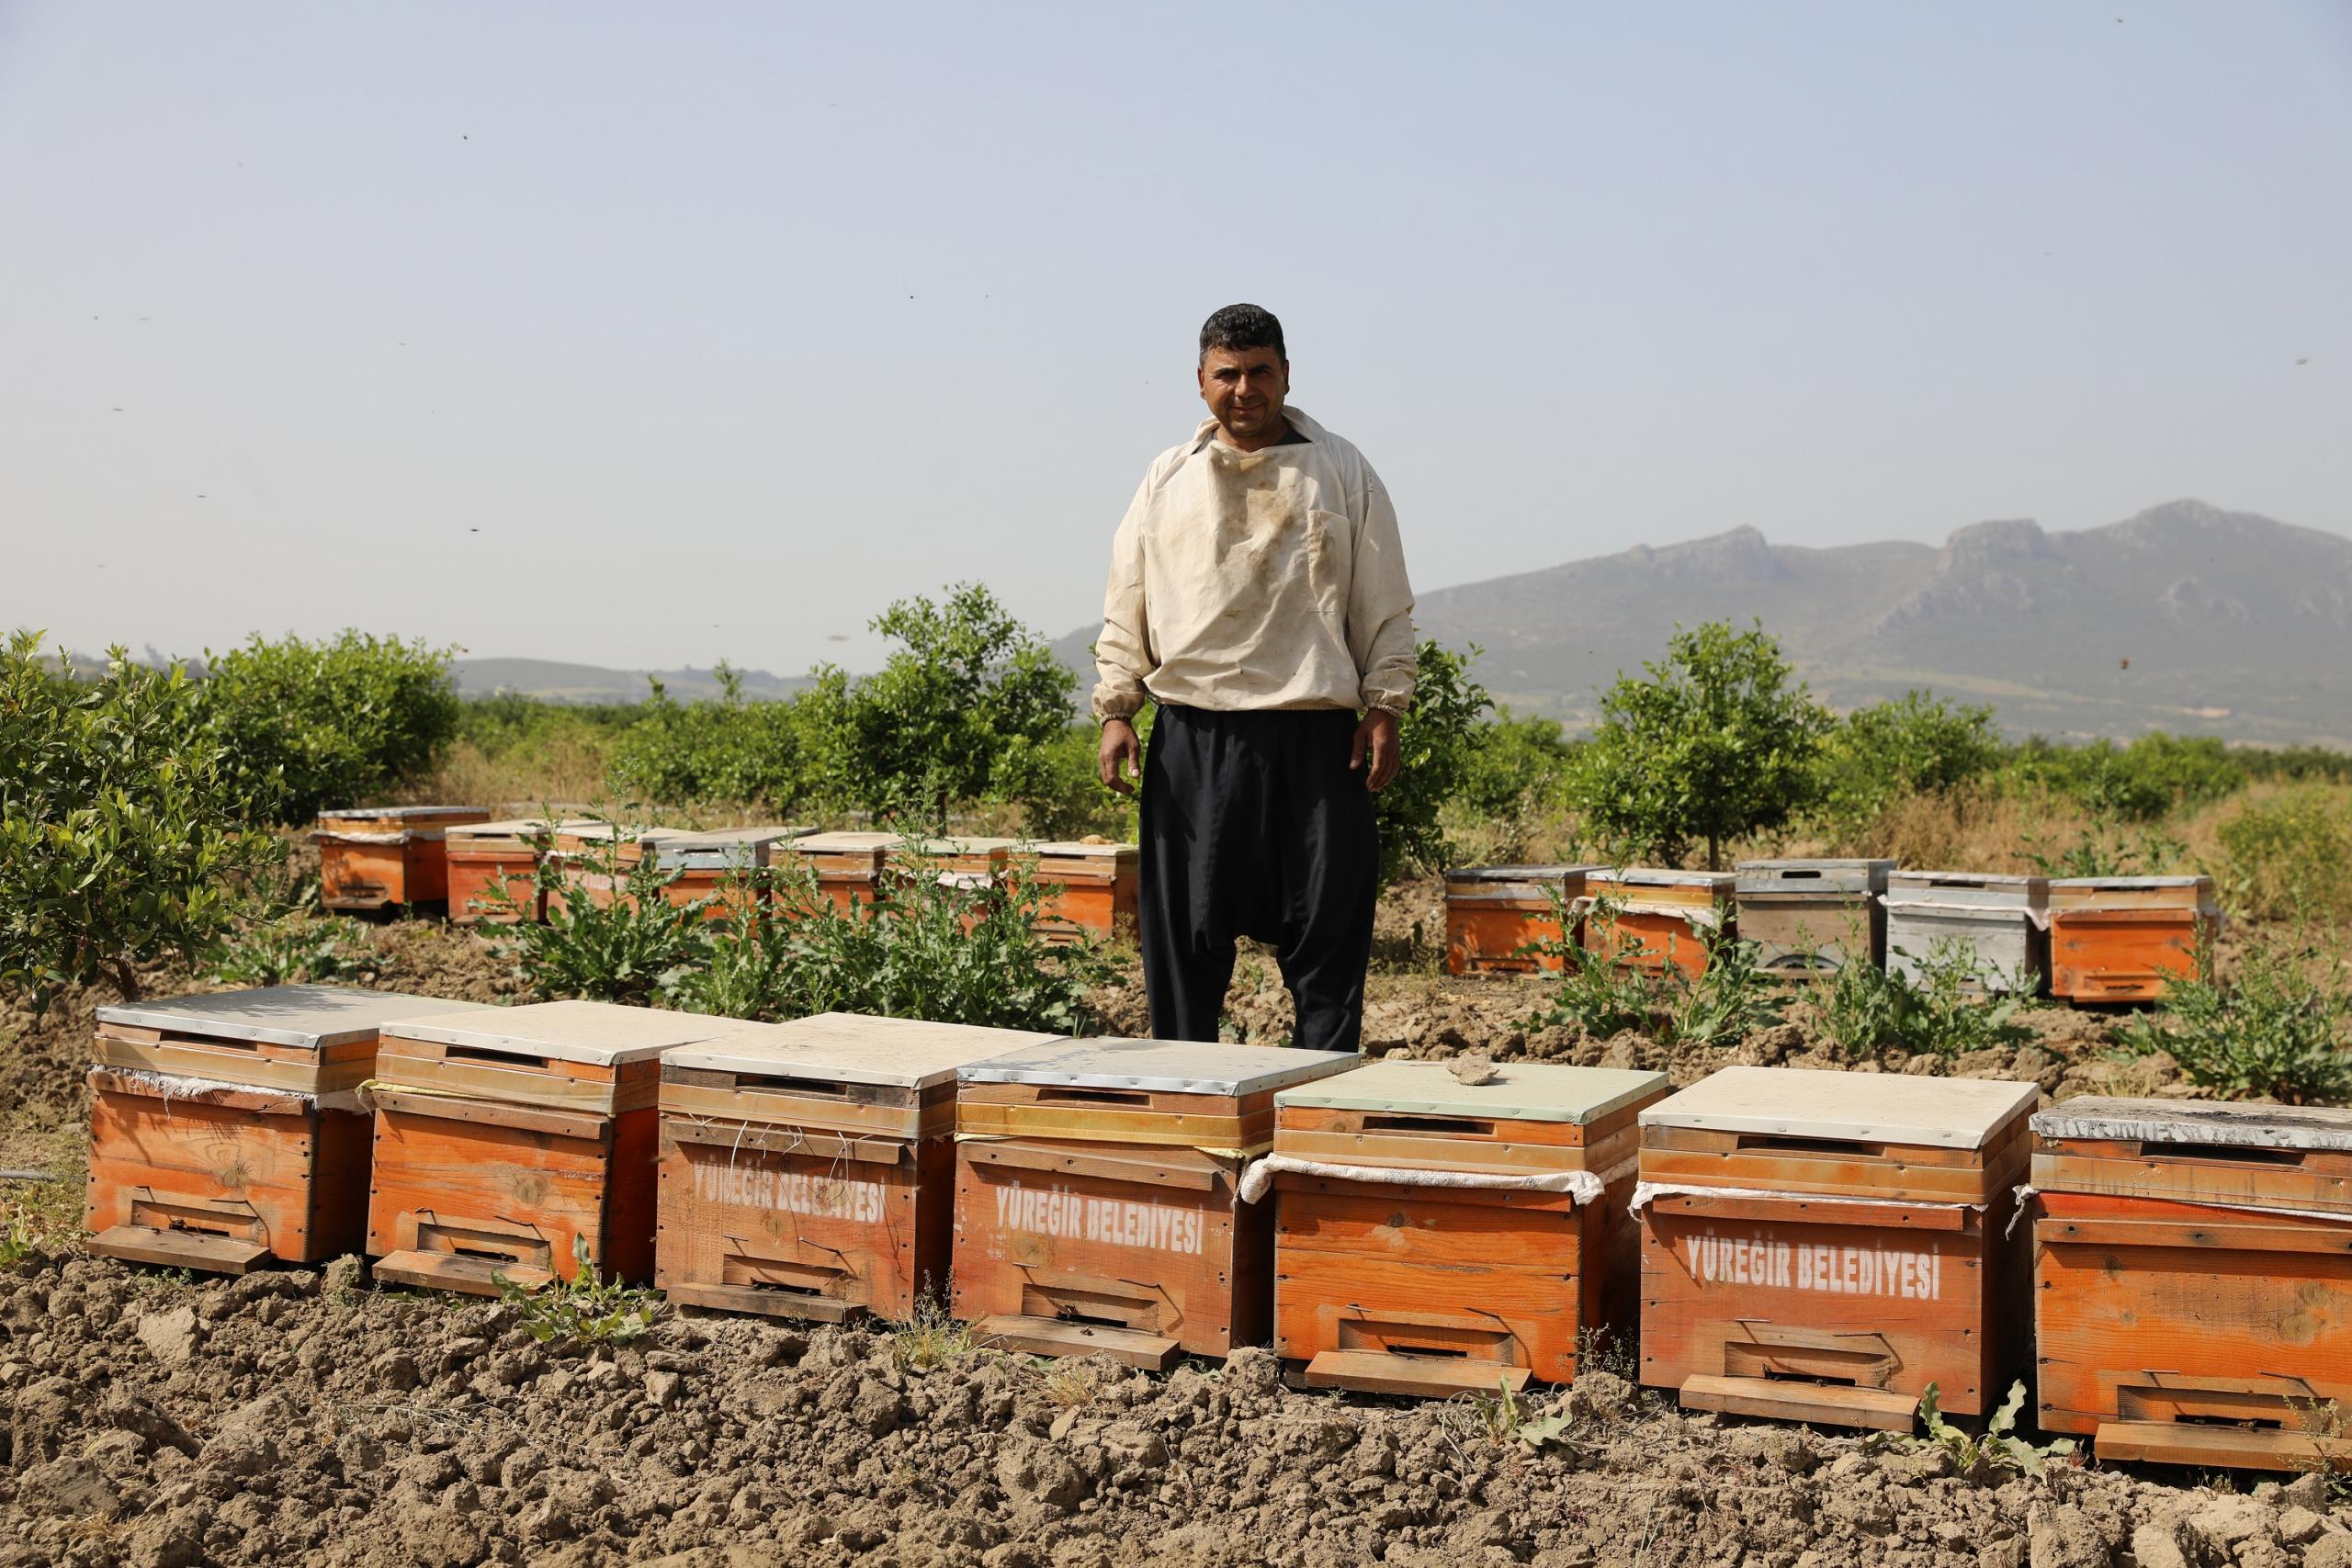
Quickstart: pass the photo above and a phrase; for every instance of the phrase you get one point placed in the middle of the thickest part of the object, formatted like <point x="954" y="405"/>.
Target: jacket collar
<point x="1297" y="421"/>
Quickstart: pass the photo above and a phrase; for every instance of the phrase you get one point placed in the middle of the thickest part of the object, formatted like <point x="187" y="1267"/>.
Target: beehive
<point x="846" y="868"/>
<point x="1646" y="919"/>
<point x="2002" y="921"/>
<point x="704" y="865"/>
<point x="1811" y="918"/>
<point x="1821" y="1246"/>
<point x="2193" y="1279"/>
<point x="1492" y="912"/>
<point x="809" y="1168"/>
<point x="970" y="863"/>
<point x="384" y="857"/>
<point x="493" y="869"/>
<point x="1097" y="1202"/>
<point x="504" y="1134"/>
<point x="1390" y="1282"/>
<point x="226" y="1131"/>
<point x="596" y="860"/>
<point x="1089" y="889"/>
<point x="2126" y="939"/>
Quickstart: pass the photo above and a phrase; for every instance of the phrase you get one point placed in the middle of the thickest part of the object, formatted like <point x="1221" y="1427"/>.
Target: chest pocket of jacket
<point x="1330" y="555"/>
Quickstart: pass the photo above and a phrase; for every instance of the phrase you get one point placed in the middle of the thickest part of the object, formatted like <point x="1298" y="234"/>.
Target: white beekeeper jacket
<point x="1273" y="579"/>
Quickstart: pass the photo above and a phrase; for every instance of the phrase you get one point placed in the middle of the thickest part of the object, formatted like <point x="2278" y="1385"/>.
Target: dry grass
<point x="569" y="766"/>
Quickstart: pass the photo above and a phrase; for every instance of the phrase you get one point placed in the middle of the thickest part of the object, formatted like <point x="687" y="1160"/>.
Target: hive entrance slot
<point x="1377" y="1122"/>
<point x="1775" y="1143"/>
<point x="787" y="1278"/>
<point x="1102" y="1307"/>
<point x="829" y="1088"/>
<point x="2240" y="1154"/>
<point x="490" y="1059"/>
<point x="1067" y="1096"/>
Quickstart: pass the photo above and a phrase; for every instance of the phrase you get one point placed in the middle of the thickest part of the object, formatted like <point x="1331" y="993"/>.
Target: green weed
<point x="289" y="951"/>
<point x="2276" y="1032"/>
<point x="585" y="1309"/>
<point x="1999" y="1448"/>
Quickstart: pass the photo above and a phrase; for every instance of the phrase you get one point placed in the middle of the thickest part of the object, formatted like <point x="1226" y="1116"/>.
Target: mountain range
<point x="2185" y="618"/>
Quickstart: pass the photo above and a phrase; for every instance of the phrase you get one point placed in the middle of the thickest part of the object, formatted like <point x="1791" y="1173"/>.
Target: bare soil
<point x="306" y="1417"/>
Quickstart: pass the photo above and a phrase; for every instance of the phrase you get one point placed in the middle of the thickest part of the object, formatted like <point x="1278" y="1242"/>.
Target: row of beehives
<point x="396" y="857"/>
<point x="1809" y="1245"/>
<point x="2110" y="939"/>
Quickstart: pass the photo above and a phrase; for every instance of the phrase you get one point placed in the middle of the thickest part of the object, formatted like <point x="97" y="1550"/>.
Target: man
<point x="1258" y="595"/>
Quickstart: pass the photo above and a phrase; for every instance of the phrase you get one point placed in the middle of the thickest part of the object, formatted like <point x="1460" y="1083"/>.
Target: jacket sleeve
<point x="1380" y="606"/>
<point x="1123" y="653"/>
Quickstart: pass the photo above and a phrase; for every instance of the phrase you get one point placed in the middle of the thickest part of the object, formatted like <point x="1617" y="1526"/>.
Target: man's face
<point x="1245" y="389"/>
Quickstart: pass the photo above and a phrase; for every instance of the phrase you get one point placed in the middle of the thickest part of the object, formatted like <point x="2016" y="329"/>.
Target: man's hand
<point x="1119" y="744"/>
<point x="1378" y="732"/>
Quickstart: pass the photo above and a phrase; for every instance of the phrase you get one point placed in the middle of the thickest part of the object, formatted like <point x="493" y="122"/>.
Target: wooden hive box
<point x="1494" y="912"/>
<point x="809" y="1168"/>
<point x="970" y="863"/>
<point x="2004" y="920"/>
<point x="598" y="858"/>
<point x="1820" y="1246"/>
<point x="385" y="857"/>
<point x="503" y="1135"/>
<point x="1090" y="889"/>
<point x="1811" y="918"/>
<point x="2126" y="939"/>
<point x="1386" y="1282"/>
<point x="2193" y="1279"/>
<point x="488" y="858"/>
<point x="1097" y="1196"/>
<point x="846" y="867"/>
<point x="226" y="1131"/>
<point x="702" y="866"/>
<point x="1647" y="919"/>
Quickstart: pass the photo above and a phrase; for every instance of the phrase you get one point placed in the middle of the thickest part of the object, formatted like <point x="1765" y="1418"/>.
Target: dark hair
<point x="1243" y="326"/>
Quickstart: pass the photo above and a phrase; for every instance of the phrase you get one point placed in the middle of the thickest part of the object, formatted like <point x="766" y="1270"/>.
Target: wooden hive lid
<point x="840" y="843"/>
<point x="1811" y="876"/>
<point x="958" y="846"/>
<point x="411" y="814"/>
<point x="602" y="1035"/>
<point x="1886" y="1108"/>
<point x="2100" y="1119"/>
<point x="894" y="1053"/>
<point x="1168" y="1067"/>
<point x="1561" y="873"/>
<point x="2136" y="892"/>
<point x="721" y="847"/>
<point x="1083" y="849"/>
<point x="305" y="1017"/>
<point x="595" y="830"/>
<point x="514" y="827"/>
<point x="1657" y="877"/>
<point x="1520" y="1091"/>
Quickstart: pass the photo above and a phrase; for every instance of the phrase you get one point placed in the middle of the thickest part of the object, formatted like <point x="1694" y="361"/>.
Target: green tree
<point x="118" y="840"/>
<point x="1912" y="744"/>
<point x="720" y="748"/>
<point x="1438" y="739"/>
<point x="1716" y="742"/>
<point x="968" y="707"/>
<point x="311" y="725"/>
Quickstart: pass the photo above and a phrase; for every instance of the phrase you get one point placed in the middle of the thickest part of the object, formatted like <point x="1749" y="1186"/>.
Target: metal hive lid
<point x="1894" y="1108"/>
<point x="896" y="1053"/>
<point x="2126" y="883"/>
<point x="2001" y="879"/>
<point x="1522" y="1091"/>
<point x="305" y="1017"/>
<point x="1171" y="1067"/>
<point x="2100" y="1118"/>
<point x="602" y="1035"/>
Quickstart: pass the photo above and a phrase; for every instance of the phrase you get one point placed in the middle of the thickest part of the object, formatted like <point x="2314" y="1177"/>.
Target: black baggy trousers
<point x="1255" y="826"/>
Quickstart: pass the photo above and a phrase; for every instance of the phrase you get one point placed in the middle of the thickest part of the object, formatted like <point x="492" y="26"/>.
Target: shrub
<point x="118" y="842"/>
<point x="1864" y="1008"/>
<point x="935" y="948"/>
<point x="1438" y="741"/>
<point x="611" y="934"/>
<point x="291" y="950"/>
<point x="1604" y="996"/>
<point x="2277" y="1032"/>
<point x="308" y="725"/>
<point x="720" y="748"/>
<point x="2139" y="783"/>
<point x="1915" y="744"/>
<point x="2290" y="858"/>
<point x="2104" y="848"/>
<point x="1715" y="743"/>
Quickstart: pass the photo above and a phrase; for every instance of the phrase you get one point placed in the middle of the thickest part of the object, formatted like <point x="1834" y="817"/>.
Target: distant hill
<point x="2185" y="618"/>
<point x="550" y="681"/>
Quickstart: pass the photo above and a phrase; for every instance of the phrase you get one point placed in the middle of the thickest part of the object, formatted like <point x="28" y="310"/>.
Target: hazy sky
<point x="658" y="334"/>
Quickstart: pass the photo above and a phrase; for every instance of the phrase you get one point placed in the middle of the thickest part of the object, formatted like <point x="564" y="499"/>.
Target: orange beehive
<point x="809" y="1168"/>
<point x="1820" y="1246"/>
<point x="493" y="869"/>
<point x="1097" y="1196"/>
<point x="505" y="1136"/>
<point x="845" y="868"/>
<point x="1647" y="919"/>
<point x="2126" y="939"/>
<point x="226" y="1131"/>
<point x="704" y="865"/>
<point x="1089" y="889"/>
<point x="386" y="857"/>
<point x="1434" y="1236"/>
<point x="596" y="860"/>
<point x="2193" y="1280"/>
<point x="1493" y="912"/>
